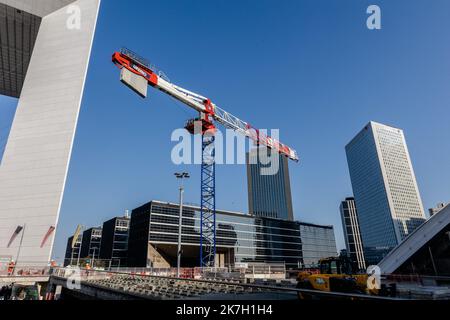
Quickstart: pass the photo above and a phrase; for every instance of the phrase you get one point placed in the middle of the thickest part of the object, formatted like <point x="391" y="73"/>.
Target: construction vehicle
<point x="137" y="73"/>
<point x="335" y="274"/>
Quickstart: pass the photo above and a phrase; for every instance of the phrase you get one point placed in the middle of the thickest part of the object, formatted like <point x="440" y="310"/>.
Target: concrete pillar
<point x="36" y="158"/>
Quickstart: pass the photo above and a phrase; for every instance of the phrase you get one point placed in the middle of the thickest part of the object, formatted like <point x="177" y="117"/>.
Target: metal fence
<point x="130" y="284"/>
<point x="251" y="271"/>
<point x="23" y="270"/>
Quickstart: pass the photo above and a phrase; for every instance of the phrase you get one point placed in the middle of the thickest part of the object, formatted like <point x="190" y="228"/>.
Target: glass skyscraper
<point x="92" y="239"/>
<point x="385" y="189"/>
<point x="114" y="244"/>
<point x="269" y="195"/>
<point x="352" y="235"/>
<point x="72" y="252"/>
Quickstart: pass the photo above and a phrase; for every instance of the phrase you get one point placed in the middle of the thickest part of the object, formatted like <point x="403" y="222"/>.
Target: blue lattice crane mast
<point x="137" y="73"/>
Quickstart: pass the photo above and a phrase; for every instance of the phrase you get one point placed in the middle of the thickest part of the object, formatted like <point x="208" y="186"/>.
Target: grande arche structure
<point x="44" y="57"/>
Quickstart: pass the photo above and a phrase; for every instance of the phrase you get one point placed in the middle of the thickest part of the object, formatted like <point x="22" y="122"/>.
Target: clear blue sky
<point x="310" y="68"/>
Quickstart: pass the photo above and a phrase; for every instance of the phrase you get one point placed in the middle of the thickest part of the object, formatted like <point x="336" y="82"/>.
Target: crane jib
<point x="139" y="66"/>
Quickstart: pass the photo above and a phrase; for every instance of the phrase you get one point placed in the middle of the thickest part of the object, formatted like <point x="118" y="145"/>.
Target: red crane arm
<point x="141" y="67"/>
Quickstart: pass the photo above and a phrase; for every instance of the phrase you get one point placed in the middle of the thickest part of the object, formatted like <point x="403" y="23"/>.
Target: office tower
<point x="72" y="250"/>
<point x="114" y="244"/>
<point x="385" y="189"/>
<point x="352" y="234"/>
<point x="90" y="247"/>
<point x="269" y="188"/>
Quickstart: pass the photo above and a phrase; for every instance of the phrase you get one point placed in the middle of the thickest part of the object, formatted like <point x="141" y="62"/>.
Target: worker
<point x="11" y="267"/>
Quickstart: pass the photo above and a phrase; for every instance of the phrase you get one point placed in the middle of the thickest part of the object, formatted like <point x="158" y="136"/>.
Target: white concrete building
<point x="45" y="50"/>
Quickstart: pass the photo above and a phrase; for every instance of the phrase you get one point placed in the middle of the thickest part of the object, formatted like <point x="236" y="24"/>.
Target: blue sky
<point x="310" y="68"/>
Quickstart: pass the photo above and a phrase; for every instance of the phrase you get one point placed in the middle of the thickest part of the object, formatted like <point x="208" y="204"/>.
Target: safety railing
<point x="126" y="283"/>
<point x="25" y="271"/>
<point x="253" y="271"/>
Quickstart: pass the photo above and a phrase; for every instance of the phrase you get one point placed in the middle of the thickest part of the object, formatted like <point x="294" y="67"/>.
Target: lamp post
<point x="181" y="176"/>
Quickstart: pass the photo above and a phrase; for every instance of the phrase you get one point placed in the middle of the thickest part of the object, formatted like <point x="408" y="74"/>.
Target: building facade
<point x="73" y="251"/>
<point x="318" y="242"/>
<point x="269" y="189"/>
<point x="114" y="244"/>
<point x="352" y="234"/>
<point x="45" y="55"/>
<point x="385" y="189"/>
<point x="240" y="238"/>
<point x="90" y="246"/>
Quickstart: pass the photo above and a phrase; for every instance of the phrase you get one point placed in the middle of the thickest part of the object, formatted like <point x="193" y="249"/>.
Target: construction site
<point x="139" y="256"/>
<point x="158" y="250"/>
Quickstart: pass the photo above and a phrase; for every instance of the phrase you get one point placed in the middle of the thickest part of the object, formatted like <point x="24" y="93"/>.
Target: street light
<point x="181" y="176"/>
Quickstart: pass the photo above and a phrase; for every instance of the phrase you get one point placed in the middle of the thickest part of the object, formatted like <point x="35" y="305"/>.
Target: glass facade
<point x="90" y="247"/>
<point x="240" y="238"/>
<point x="269" y="195"/>
<point x="318" y="242"/>
<point x="385" y="188"/>
<point x="72" y="253"/>
<point x="352" y="234"/>
<point x="114" y="244"/>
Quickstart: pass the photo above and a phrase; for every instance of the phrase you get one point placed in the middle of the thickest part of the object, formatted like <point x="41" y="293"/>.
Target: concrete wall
<point x="35" y="163"/>
<point x="39" y="8"/>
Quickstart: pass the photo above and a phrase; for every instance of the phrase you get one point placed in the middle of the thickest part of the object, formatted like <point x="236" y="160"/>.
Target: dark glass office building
<point x="114" y="244"/>
<point x="318" y="242"/>
<point x="352" y="234"/>
<point x="269" y="187"/>
<point x="90" y="246"/>
<point x="240" y="238"/>
<point x="72" y="251"/>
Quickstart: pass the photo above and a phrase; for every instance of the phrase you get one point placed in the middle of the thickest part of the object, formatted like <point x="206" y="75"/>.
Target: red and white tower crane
<point x="138" y="74"/>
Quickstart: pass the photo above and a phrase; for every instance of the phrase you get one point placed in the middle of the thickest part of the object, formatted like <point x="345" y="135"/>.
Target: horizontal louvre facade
<point x="240" y="238"/>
